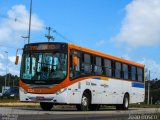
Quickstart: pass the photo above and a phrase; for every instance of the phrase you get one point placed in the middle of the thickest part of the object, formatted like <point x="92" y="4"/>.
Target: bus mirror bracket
<point x="17" y="57"/>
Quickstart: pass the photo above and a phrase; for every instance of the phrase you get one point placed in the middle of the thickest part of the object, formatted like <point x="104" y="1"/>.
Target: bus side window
<point x="133" y="73"/>
<point x="117" y="69"/>
<point x="139" y="74"/>
<point x="107" y="67"/>
<point x="86" y="63"/>
<point x="98" y="66"/>
<point x="125" y="71"/>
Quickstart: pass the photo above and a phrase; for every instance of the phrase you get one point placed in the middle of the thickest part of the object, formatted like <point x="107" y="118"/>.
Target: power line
<point x="19" y="21"/>
<point x="62" y="36"/>
<point x="36" y="26"/>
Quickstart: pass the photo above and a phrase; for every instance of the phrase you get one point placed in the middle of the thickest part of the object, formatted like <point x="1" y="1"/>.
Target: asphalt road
<point x="30" y="113"/>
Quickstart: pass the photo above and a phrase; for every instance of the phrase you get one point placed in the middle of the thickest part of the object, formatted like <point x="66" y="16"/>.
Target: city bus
<point x="56" y="73"/>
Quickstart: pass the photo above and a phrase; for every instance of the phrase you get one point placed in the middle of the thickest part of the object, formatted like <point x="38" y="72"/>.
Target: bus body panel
<point x="110" y="91"/>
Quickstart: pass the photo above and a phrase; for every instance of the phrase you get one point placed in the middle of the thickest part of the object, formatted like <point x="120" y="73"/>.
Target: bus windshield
<point x="44" y="66"/>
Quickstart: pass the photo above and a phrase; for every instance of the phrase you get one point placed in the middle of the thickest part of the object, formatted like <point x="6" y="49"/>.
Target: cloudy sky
<point x="123" y="28"/>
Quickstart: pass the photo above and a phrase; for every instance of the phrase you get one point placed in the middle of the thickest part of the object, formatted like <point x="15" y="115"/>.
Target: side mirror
<point x="17" y="59"/>
<point x="75" y="60"/>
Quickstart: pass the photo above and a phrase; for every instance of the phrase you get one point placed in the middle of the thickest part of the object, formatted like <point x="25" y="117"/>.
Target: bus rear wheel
<point x="46" y="106"/>
<point x="125" y="104"/>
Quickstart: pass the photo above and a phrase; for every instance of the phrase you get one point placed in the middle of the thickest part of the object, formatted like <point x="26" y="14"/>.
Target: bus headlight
<point x="61" y="91"/>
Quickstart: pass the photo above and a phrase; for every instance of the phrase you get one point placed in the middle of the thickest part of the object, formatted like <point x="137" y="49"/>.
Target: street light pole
<point x="149" y="88"/>
<point x="24" y="37"/>
<point x="6" y="70"/>
<point x="30" y="16"/>
<point x="148" y="91"/>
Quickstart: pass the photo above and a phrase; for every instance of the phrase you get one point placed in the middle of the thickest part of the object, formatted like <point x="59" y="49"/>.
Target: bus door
<point x="75" y="90"/>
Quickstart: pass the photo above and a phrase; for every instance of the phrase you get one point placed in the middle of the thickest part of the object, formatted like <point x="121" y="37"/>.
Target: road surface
<point x="35" y="113"/>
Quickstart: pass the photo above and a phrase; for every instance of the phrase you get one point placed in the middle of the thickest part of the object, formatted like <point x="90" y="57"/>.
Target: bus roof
<point x="73" y="46"/>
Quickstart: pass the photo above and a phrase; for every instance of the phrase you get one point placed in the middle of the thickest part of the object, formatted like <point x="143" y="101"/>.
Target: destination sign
<point x="45" y="47"/>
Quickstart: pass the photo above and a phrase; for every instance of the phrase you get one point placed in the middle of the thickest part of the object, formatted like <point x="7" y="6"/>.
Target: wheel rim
<point x="126" y="102"/>
<point x="84" y="101"/>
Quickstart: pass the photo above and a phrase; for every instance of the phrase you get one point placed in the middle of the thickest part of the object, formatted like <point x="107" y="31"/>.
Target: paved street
<point x="31" y="113"/>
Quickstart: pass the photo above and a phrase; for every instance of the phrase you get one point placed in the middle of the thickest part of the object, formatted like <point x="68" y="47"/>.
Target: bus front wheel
<point x="46" y="106"/>
<point x="85" y="102"/>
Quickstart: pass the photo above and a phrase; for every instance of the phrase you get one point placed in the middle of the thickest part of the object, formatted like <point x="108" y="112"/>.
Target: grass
<point x="5" y="102"/>
<point x="144" y="106"/>
<point x="136" y="106"/>
<point x="9" y="100"/>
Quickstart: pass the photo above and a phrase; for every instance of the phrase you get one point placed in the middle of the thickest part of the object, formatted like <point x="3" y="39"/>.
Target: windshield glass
<point x="44" y="66"/>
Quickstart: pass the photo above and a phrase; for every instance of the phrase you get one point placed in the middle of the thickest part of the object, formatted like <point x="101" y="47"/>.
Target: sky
<point x="123" y="28"/>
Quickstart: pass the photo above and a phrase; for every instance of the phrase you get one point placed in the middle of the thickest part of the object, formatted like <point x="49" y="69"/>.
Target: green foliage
<point x="143" y="106"/>
<point x="154" y="90"/>
<point x="12" y="80"/>
<point x="9" y="100"/>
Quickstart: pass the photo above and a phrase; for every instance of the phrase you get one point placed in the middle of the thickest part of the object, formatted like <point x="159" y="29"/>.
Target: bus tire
<point x="94" y="107"/>
<point x="125" y="104"/>
<point x="85" y="102"/>
<point x="46" y="106"/>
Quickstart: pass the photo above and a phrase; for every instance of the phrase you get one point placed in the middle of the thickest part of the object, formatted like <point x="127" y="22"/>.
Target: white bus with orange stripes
<point x="61" y="73"/>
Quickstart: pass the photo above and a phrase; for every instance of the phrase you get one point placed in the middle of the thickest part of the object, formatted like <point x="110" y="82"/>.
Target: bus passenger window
<point x="98" y="66"/>
<point x="86" y="65"/>
<point x="118" y="70"/>
<point x="139" y="74"/>
<point x="125" y="71"/>
<point x="74" y="70"/>
<point x="107" y="67"/>
<point x="133" y="73"/>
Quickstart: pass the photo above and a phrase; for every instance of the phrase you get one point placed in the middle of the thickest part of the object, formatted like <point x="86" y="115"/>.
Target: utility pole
<point x="30" y="16"/>
<point x="49" y="37"/>
<point x="149" y="88"/>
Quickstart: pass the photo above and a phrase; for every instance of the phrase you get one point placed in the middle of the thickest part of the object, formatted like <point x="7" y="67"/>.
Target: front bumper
<point x="54" y="98"/>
